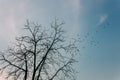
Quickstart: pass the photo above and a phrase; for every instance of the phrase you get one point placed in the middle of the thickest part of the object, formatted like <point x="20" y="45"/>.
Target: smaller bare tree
<point x="40" y="54"/>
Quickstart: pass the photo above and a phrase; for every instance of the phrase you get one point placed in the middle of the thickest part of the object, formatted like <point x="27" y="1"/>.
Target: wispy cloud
<point x="102" y="19"/>
<point x="76" y="5"/>
<point x="73" y="10"/>
<point x="11" y="13"/>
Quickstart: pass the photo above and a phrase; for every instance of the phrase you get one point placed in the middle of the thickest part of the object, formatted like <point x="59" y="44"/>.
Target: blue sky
<point x="99" y="18"/>
<point x="102" y="63"/>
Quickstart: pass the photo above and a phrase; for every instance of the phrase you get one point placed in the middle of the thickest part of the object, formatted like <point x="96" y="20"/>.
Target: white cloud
<point x="11" y="14"/>
<point x="71" y="10"/>
<point x="76" y="5"/>
<point x="102" y="19"/>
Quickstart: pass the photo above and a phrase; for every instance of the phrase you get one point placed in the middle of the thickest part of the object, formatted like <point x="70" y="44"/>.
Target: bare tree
<point x="40" y="54"/>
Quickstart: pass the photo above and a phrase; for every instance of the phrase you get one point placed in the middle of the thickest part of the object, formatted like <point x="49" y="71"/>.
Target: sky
<point x="96" y="22"/>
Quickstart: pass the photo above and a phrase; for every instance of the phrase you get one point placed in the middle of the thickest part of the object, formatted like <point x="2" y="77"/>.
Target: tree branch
<point x="60" y="70"/>
<point x="11" y="63"/>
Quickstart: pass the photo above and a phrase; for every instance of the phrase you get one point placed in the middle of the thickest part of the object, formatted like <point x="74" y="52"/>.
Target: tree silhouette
<point x="40" y="54"/>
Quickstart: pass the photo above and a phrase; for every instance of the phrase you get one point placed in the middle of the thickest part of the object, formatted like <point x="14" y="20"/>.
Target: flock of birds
<point x="90" y="37"/>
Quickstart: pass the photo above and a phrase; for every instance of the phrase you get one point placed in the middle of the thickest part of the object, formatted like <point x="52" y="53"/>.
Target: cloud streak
<point x="11" y="13"/>
<point x="102" y="19"/>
